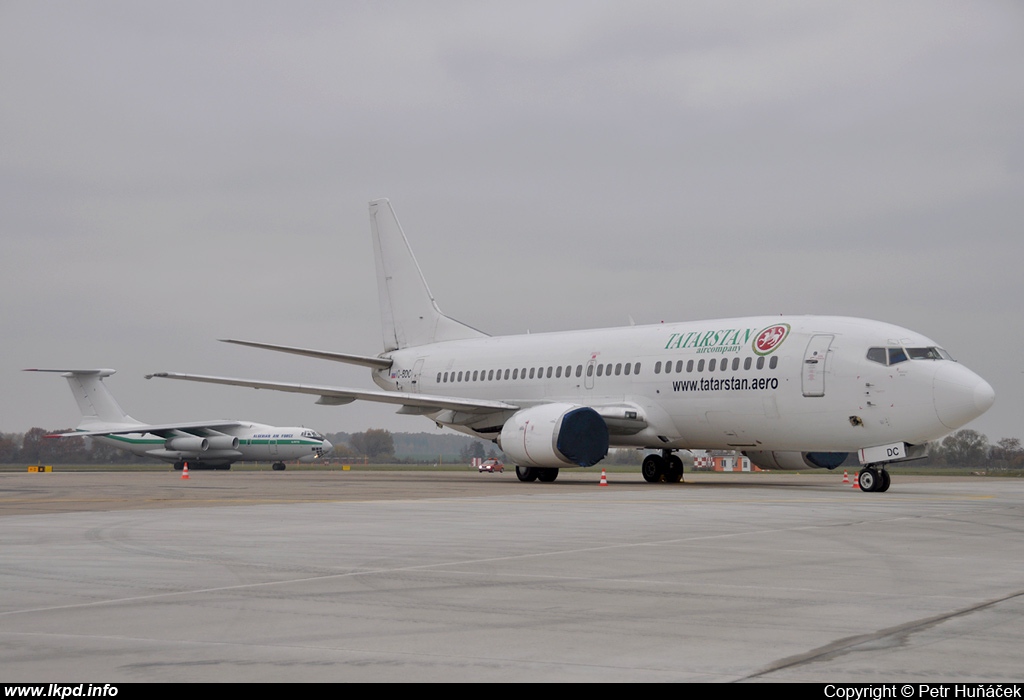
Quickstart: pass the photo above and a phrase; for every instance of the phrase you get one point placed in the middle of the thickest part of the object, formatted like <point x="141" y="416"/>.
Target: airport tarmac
<point x="457" y="576"/>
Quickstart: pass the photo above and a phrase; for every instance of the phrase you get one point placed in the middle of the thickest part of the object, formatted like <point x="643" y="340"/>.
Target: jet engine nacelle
<point x="222" y="442"/>
<point x="187" y="444"/>
<point x="796" y="460"/>
<point x="555" y="435"/>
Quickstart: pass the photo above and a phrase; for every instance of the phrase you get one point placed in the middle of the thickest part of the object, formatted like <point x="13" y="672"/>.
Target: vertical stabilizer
<point x="409" y="314"/>
<point x="95" y="401"/>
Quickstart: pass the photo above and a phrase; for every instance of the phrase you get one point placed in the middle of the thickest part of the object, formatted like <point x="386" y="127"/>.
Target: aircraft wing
<point x="336" y="396"/>
<point x="159" y="429"/>
<point x="364" y="360"/>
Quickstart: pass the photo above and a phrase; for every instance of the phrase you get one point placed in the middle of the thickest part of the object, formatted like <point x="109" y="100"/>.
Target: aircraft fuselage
<point x="759" y="383"/>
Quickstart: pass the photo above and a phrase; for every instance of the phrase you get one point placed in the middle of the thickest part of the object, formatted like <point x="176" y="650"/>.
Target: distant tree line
<point x="969" y="448"/>
<point x="34" y="447"/>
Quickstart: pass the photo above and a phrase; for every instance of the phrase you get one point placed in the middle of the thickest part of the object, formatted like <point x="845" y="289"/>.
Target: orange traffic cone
<point x="856" y="481"/>
<point x="846" y="477"/>
<point x="604" y="478"/>
<point x="184" y="471"/>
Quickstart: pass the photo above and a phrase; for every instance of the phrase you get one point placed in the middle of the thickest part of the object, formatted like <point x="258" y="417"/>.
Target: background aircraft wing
<point x="158" y="429"/>
<point x="336" y="396"/>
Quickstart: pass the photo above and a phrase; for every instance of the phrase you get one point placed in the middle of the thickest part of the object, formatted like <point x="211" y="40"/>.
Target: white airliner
<point x="202" y="444"/>
<point x="788" y="391"/>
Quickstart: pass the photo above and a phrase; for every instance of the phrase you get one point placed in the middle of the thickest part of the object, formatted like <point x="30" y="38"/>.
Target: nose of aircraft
<point x="960" y="395"/>
<point x="326" y="446"/>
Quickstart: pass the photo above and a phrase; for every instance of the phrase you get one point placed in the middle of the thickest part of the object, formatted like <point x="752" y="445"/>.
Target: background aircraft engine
<point x="555" y="435"/>
<point x="222" y="442"/>
<point x="187" y="444"/>
<point x="796" y="460"/>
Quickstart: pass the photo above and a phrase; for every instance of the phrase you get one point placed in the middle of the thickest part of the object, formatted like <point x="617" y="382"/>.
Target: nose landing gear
<point x="873" y="478"/>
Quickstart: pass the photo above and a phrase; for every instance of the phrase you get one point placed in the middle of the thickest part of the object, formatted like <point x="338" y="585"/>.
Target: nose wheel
<point x="874" y="479"/>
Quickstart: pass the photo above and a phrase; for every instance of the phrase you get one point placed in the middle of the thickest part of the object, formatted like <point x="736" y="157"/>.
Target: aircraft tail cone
<point x="604" y="478"/>
<point x="846" y="477"/>
<point x="184" y="471"/>
<point x="856" y="481"/>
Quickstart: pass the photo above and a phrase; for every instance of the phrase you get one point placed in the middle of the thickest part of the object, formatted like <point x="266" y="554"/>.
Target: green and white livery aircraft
<point x="202" y="444"/>
<point x="787" y="391"/>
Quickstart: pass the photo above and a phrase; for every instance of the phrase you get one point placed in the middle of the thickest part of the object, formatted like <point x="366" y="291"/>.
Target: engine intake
<point x="555" y="435"/>
<point x="222" y="442"/>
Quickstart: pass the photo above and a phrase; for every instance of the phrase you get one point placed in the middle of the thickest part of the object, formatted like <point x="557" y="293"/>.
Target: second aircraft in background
<point x="202" y="444"/>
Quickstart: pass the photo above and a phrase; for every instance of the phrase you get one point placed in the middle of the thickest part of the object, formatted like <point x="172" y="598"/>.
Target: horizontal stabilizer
<point x="330" y="394"/>
<point x="364" y="360"/>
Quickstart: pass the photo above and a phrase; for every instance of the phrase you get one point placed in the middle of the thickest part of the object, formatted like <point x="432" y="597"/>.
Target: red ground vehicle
<point x="491" y="465"/>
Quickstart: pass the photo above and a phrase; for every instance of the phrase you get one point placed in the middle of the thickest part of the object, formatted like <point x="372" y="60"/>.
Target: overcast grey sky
<point x="173" y="173"/>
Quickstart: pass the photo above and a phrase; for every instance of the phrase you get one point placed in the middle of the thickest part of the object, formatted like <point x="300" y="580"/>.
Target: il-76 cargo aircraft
<point x="202" y="444"/>
<point x="788" y="391"/>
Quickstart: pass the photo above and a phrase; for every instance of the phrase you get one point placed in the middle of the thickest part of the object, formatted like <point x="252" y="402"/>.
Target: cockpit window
<point x="312" y="434"/>
<point x="878" y="355"/>
<point x="897" y="355"/>
<point x="892" y="356"/>
<point x="928" y="354"/>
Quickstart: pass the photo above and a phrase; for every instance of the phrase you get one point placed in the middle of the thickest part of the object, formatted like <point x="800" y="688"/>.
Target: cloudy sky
<point x="176" y="172"/>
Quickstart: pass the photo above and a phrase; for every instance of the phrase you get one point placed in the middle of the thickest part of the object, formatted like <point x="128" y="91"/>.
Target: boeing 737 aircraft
<point x="788" y="391"/>
<point x="203" y="444"/>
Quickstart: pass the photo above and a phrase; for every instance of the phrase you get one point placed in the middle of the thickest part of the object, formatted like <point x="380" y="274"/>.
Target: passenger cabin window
<point x="774" y="362"/>
<point x="657" y="367"/>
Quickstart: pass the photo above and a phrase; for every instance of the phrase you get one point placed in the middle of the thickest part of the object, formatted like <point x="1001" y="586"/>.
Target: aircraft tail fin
<point x="409" y="314"/>
<point x="95" y="401"/>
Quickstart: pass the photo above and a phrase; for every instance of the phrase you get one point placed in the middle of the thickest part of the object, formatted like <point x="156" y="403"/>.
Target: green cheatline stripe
<point x="279" y="442"/>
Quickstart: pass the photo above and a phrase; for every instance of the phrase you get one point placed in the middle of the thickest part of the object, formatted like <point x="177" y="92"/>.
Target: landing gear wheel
<point x="674" y="470"/>
<point x="278" y="466"/>
<point x="886" y="480"/>
<point x="869" y="479"/>
<point x="653" y="468"/>
<point x="179" y="466"/>
<point x="547" y="475"/>
<point x="526" y="473"/>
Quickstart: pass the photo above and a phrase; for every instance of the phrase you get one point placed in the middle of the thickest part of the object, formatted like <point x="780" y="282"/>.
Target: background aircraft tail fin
<point x="409" y="314"/>
<point x="95" y="401"/>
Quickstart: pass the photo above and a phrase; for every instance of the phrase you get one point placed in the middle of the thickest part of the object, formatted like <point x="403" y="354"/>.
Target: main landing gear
<point x="665" y="467"/>
<point x="547" y="475"/>
<point x="873" y="478"/>
<point x="278" y="466"/>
